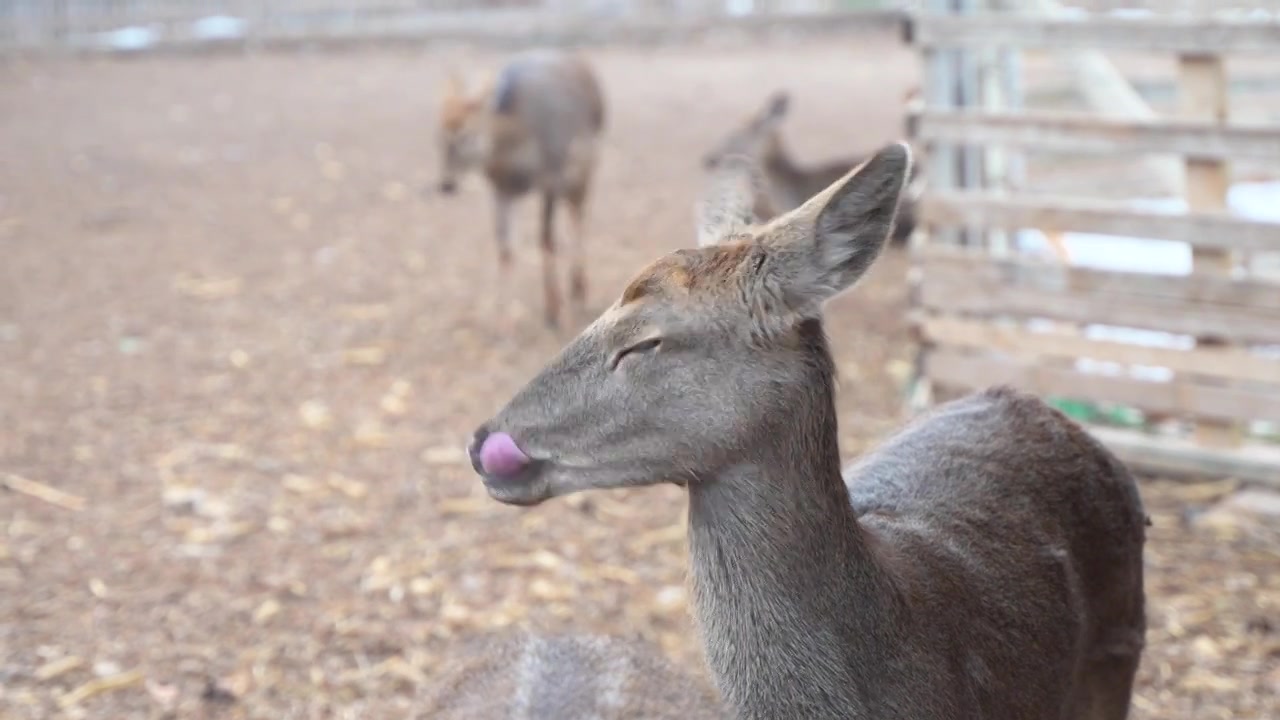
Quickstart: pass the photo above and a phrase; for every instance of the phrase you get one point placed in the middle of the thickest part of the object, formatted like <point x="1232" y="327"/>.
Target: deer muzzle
<point x="496" y="455"/>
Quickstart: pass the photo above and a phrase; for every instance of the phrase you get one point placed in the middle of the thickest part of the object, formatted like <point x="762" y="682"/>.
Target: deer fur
<point x="535" y="127"/>
<point x="525" y="676"/>
<point x="985" y="562"/>
<point x="787" y="183"/>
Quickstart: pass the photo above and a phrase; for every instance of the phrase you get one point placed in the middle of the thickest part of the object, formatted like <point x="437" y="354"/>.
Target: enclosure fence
<point x="1199" y="351"/>
<point x="131" y="26"/>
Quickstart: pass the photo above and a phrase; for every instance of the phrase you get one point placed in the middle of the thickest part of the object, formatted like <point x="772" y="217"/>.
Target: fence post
<point x="1202" y="85"/>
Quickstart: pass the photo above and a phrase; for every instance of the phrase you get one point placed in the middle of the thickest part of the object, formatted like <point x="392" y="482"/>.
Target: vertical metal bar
<point x="967" y="95"/>
<point x="940" y="93"/>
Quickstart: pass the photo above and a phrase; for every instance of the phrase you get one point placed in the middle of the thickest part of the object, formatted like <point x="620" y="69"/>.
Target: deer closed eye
<point x="641" y="347"/>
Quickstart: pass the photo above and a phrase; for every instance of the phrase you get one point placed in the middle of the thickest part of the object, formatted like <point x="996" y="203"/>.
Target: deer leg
<point x="550" y="290"/>
<point x="577" y="273"/>
<point x="1109" y="689"/>
<point x="502" y="230"/>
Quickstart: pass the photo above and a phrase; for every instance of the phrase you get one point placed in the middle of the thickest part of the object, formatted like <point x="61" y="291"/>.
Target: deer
<point x="497" y="676"/>
<point x="537" y="127"/>
<point x="985" y="561"/>
<point x="788" y="184"/>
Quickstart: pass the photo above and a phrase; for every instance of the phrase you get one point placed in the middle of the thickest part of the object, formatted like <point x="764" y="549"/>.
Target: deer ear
<point x="728" y="202"/>
<point x="778" y="104"/>
<point x="825" y="245"/>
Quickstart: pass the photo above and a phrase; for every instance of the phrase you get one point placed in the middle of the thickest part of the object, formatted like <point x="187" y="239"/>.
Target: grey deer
<point x="562" y="677"/>
<point x="788" y="184"/>
<point x="984" y="562"/>
<point x="538" y="126"/>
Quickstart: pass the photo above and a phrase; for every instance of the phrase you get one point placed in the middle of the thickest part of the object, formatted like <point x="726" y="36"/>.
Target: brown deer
<point x="558" y="677"/>
<point x="536" y="127"/>
<point x="984" y="562"/>
<point x="787" y="184"/>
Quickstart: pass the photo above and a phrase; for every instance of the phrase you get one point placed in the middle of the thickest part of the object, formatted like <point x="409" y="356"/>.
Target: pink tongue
<point x="500" y="456"/>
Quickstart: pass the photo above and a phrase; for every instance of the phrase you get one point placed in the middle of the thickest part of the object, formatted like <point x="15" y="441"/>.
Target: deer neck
<point x="778" y="166"/>
<point x="795" y="613"/>
<point x="792" y="184"/>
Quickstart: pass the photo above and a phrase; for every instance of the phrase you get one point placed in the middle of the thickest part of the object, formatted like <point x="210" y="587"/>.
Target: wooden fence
<point x="133" y="26"/>
<point x="985" y="312"/>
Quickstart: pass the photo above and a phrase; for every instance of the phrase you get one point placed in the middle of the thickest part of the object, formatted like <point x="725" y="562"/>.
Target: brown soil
<point x="235" y="326"/>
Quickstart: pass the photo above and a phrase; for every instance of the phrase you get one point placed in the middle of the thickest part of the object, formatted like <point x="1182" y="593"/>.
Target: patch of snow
<point x="1248" y="14"/>
<point x="1253" y="200"/>
<point x="1131" y="13"/>
<point x="218" y="27"/>
<point x="129" y="38"/>
<point x="1256" y="200"/>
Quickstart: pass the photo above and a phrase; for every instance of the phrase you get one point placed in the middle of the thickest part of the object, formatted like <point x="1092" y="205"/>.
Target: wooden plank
<point x="1072" y="214"/>
<point x="950" y="367"/>
<point x="1077" y="132"/>
<point x="1218" y="230"/>
<point x="967" y="265"/>
<point x="1153" y="34"/>
<point x="1202" y="81"/>
<point x="1020" y="343"/>
<point x="1151" y="313"/>
<point x="1181" y="458"/>
<point x="956" y="282"/>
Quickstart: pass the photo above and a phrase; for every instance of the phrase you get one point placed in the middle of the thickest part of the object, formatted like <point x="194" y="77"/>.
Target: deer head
<point x="754" y="138"/>
<point x="701" y="356"/>
<point x="462" y="135"/>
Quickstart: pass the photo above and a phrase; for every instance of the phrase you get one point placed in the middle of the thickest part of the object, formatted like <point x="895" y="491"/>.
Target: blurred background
<point x="243" y="340"/>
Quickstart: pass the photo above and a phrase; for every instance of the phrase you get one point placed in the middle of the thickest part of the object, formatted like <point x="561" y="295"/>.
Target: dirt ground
<point x="249" y="346"/>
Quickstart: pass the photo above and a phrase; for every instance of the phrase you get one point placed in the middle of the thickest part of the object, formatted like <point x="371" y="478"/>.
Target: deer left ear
<point x="824" y="246"/>
<point x="858" y="217"/>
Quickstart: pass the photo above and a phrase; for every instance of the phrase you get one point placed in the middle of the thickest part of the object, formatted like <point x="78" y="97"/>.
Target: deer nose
<point x="496" y="454"/>
<point x="448" y="187"/>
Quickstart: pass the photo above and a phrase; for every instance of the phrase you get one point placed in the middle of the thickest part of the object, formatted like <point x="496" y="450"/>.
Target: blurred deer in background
<point x="537" y="127"/>
<point x="565" y="677"/>
<point x="984" y="562"/>
<point x="787" y="184"/>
